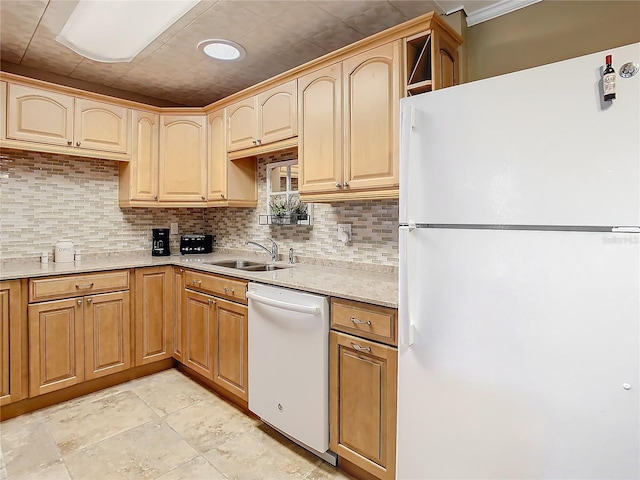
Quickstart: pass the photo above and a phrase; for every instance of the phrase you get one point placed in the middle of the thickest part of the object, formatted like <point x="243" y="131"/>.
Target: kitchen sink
<point x="247" y="265"/>
<point x="236" y="264"/>
<point x="263" y="268"/>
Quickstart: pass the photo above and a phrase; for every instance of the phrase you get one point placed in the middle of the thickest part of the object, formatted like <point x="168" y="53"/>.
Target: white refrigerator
<point x="519" y="353"/>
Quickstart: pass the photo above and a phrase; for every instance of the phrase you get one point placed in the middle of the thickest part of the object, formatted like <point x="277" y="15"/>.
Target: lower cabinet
<point x="363" y="390"/>
<point x="154" y="294"/>
<point x="13" y="370"/>
<point x="76" y="339"/>
<point x="177" y="285"/>
<point x="198" y="311"/>
<point x="214" y="330"/>
<point x="230" y="369"/>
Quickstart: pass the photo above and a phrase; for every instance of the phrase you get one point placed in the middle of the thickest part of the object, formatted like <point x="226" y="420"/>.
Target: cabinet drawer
<point x="364" y="320"/>
<point x="42" y="289"/>
<point x="219" y="286"/>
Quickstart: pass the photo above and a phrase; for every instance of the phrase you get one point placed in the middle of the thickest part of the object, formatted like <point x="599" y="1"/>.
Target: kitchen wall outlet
<point x="344" y="232"/>
<point x="174" y="229"/>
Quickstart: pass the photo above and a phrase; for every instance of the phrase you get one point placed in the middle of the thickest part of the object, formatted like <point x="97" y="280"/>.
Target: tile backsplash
<point x="47" y="197"/>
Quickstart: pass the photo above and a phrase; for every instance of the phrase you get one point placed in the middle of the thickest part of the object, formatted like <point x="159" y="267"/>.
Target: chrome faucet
<point x="274" y="248"/>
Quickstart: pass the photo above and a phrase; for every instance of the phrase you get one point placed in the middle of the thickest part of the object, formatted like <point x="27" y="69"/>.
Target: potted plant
<point x="279" y="207"/>
<point x="298" y="210"/>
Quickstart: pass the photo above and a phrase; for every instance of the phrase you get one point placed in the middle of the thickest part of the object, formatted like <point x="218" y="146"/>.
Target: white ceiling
<point x="277" y="35"/>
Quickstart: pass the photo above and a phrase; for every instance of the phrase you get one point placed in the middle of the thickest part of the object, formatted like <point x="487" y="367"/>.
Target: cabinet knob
<point x="69" y="142"/>
<point x="345" y="184"/>
<point x="202" y="197"/>
<point x="222" y="195"/>
<point x="254" y="142"/>
<point x="259" y="142"/>
<point x="155" y="197"/>
<point x="338" y="185"/>
<point x="89" y="300"/>
<point x="79" y="302"/>
<point x="212" y="302"/>
<point x="77" y="144"/>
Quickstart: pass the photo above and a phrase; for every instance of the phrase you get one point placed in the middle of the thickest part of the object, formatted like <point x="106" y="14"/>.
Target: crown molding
<point x="500" y="8"/>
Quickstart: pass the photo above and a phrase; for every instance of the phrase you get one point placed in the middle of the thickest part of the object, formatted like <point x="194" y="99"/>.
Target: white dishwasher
<point x="289" y="364"/>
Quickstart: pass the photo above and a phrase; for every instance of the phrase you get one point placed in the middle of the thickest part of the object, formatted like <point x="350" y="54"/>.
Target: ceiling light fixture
<point x="118" y="30"/>
<point x="222" y="50"/>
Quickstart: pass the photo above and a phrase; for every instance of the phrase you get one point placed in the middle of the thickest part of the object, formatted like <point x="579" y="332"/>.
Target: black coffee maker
<point x="160" y="242"/>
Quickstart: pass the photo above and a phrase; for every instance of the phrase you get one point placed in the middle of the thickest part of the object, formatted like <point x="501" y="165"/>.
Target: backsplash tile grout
<point x="48" y="197"/>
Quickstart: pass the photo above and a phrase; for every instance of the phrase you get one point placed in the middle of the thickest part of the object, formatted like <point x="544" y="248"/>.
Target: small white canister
<point x="64" y="251"/>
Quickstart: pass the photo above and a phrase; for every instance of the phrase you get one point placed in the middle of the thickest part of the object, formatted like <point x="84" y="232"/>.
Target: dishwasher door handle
<point x="294" y="307"/>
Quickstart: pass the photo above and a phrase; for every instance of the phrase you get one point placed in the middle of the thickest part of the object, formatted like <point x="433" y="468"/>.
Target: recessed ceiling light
<point x="222" y="50"/>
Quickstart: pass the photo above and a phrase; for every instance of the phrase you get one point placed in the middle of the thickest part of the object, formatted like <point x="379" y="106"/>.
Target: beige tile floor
<point x="163" y="426"/>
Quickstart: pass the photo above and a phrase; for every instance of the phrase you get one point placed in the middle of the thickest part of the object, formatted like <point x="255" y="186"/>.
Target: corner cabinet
<point x="183" y="158"/>
<point x="348" y="127"/>
<point x="265" y="118"/>
<point x="139" y="178"/>
<point x="153" y="314"/>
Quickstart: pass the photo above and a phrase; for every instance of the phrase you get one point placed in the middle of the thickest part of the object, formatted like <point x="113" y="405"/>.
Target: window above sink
<point x="283" y="201"/>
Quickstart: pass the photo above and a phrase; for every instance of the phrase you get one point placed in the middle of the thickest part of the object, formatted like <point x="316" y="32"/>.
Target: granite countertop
<point x="361" y="285"/>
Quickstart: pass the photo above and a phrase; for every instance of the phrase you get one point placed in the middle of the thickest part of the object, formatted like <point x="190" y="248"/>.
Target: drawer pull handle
<point x="359" y="348"/>
<point x="212" y="302"/>
<point x="227" y="290"/>
<point x="360" y="322"/>
<point x="196" y="282"/>
<point x="84" y="286"/>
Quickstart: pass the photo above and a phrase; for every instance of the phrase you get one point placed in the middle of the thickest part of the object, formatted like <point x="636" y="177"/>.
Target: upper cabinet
<point x="101" y="126"/>
<point x="39" y="116"/>
<point x="348" y="127"/>
<point x="183" y="158"/>
<point x="74" y="124"/>
<point x="217" y="184"/>
<point x="143" y="184"/>
<point x="431" y="60"/>
<point x="320" y="140"/>
<point x="265" y="118"/>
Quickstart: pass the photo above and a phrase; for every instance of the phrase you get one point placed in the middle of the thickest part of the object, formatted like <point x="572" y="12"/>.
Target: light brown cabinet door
<point x="242" y="125"/>
<point x="153" y="312"/>
<point x="3" y="110"/>
<point x="176" y="312"/>
<point x="143" y="166"/>
<point x="372" y="93"/>
<point x="11" y="379"/>
<point x="445" y="62"/>
<point x="230" y="368"/>
<point x="56" y="345"/>
<point x="320" y="129"/>
<point x="183" y="158"/>
<point x="36" y="115"/>
<point x="217" y="184"/>
<point x="277" y="113"/>
<point x="107" y="328"/>
<point x="363" y="383"/>
<point x="198" y="318"/>
<point x="101" y="126"/>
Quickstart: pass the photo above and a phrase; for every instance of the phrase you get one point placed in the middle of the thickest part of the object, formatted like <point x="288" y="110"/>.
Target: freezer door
<point x="525" y="357"/>
<point x="536" y="147"/>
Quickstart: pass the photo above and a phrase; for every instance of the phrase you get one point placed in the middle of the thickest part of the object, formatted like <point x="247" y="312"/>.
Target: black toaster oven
<point x="196" y="243"/>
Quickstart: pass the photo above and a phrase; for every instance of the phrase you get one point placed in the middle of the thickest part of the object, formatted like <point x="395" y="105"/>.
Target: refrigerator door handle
<point x="407" y="124"/>
<point x="406" y="326"/>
